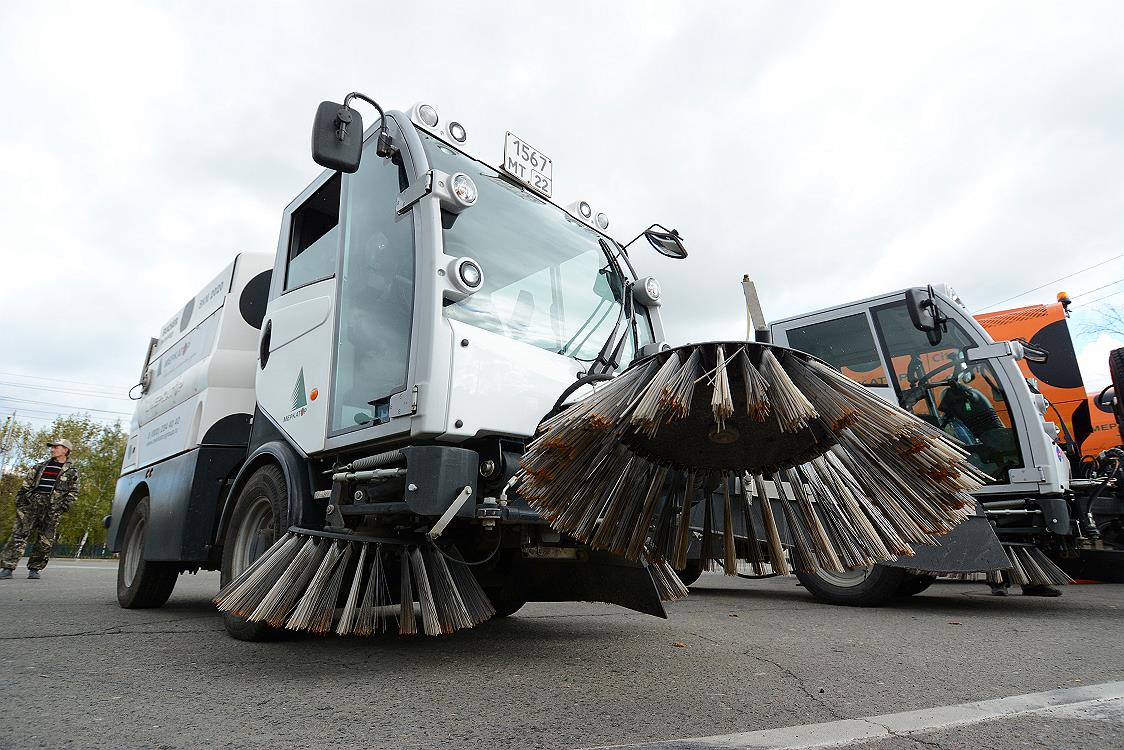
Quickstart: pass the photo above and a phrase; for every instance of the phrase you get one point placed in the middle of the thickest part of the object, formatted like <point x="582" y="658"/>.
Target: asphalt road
<point x="736" y="656"/>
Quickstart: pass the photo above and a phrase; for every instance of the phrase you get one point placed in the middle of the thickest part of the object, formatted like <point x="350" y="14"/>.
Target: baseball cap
<point x="63" y="442"/>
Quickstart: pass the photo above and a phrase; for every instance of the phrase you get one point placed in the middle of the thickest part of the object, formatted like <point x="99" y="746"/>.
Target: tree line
<point x="98" y="452"/>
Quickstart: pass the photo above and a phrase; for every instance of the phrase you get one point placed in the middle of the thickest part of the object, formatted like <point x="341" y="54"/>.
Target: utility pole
<point x="7" y="438"/>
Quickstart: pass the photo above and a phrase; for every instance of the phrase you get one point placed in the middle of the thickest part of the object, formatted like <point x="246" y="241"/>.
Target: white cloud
<point x="1093" y="360"/>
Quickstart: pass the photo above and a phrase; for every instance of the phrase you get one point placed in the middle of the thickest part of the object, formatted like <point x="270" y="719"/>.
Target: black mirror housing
<point x="925" y="315"/>
<point x="337" y="137"/>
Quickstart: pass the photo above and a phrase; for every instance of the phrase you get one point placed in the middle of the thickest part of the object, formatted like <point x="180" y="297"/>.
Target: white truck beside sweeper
<point x="921" y="348"/>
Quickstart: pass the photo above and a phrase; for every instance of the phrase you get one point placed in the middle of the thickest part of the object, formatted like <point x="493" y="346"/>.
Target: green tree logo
<point x="299" y="398"/>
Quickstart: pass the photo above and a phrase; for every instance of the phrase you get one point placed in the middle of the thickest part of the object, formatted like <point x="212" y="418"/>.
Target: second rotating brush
<point x="857" y="480"/>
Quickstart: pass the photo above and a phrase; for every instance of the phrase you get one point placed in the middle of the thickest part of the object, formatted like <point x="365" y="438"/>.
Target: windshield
<point x="547" y="281"/>
<point x="940" y="386"/>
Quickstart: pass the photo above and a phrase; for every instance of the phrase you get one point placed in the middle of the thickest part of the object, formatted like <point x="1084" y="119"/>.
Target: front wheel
<point x="260" y="516"/>
<point x="862" y="587"/>
<point x="141" y="583"/>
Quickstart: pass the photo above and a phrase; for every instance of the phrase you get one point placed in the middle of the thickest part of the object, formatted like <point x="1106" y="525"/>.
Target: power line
<point x="1106" y="286"/>
<point x="65" y="406"/>
<point x="63" y="380"/>
<point x="63" y="390"/>
<point x="1098" y="299"/>
<point x="1048" y="283"/>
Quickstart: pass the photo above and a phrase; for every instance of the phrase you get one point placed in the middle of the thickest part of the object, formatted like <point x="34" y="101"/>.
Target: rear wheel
<point x="915" y="584"/>
<point x="505" y="606"/>
<point x="691" y="573"/>
<point x="863" y="587"/>
<point x="260" y="516"/>
<point x="142" y="583"/>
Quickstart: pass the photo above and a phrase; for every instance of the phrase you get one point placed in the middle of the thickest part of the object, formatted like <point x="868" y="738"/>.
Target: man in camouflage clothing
<point x="48" y="491"/>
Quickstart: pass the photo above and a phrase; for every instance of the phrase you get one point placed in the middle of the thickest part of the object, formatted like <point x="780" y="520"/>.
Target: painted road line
<point x="848" y="731"/>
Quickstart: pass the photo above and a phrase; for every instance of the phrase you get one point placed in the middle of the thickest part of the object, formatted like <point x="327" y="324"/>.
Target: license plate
<point x="527" y="164"/>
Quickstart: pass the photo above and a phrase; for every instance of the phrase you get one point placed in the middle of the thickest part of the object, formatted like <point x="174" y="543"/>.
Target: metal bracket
<point x="1029" y="474"/>
<point x="452" y="510"/>
<point x="989" y="351"/>
<point x="414" y="193"/>
<point x="404" y="403"/>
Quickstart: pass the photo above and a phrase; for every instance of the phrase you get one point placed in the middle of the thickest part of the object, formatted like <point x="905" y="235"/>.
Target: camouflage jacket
<point x="66" y="488"/>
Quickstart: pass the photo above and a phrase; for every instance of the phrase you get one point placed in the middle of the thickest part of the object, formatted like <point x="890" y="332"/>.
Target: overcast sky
<point x="832" y="151"/>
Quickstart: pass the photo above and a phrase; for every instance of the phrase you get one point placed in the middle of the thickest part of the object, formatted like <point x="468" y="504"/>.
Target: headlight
<point x="647" y="291"/>
<point x="427" y="115"/>
<point x="457" y="132"/>
<point x="465" y="276"/>
<point x="585" y="209"/>
<point x="464" y="189"/>
<point x="470" y="274"/>
<point x="602" y="222"/>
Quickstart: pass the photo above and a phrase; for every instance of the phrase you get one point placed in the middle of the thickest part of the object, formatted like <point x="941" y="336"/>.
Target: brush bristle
<point x="299" y="582"/>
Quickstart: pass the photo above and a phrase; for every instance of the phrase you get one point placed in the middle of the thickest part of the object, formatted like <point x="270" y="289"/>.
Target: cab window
<point x="314" y="236"/>
<point x="939" y="385"/>
<point x="846" y="343"/>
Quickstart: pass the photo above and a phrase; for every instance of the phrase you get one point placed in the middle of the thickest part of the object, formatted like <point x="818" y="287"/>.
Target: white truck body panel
<point x="294" y="389"/>
<point x="201" y="369"/>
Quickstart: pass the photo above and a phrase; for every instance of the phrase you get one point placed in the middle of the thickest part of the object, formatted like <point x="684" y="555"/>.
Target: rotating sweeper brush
<point x="298" y="584"/>
<point x="859" y="481"/>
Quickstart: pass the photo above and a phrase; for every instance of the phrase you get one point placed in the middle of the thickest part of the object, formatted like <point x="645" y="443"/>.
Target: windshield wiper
<point x="604" y="362"/>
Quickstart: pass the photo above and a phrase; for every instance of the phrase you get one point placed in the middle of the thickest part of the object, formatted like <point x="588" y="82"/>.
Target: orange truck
<point x="1089" y="427"/>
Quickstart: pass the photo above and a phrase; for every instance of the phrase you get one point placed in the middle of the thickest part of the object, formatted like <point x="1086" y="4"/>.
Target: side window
<point x="846" y="343"/>
<point x="314" y="236"/>
<point x="376" y="297"/>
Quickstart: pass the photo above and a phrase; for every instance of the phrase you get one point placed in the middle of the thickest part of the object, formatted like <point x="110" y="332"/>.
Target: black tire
<point x="879" y="585"/>
<point x="265" y="487"/>
<point x="914" y="584"/>
<point x="142" y="584"/>
<point x="505" y="606"/>
<point x="691" y="573"/>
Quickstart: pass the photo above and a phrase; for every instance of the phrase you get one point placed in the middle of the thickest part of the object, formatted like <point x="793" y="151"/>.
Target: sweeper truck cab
<point x="376" y="380"/>
<point x="922" y="349"/>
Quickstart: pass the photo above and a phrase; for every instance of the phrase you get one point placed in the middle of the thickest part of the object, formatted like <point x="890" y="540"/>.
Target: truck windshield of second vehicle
<point x="547" y="281"/>
<point x="936" y="382"/>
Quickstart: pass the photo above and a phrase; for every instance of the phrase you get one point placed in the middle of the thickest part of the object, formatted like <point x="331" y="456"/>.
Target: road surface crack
<point x="814" y="697"/>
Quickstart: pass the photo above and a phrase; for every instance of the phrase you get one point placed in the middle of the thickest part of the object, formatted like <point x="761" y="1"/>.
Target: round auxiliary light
<point x="652" y="287"/>
<point x="428" y="115"/>
<point x="585" y="209"/>
<point x="457" y="132"/>
<point x="470" y="274"/>
<point x="463" y="188"/>
<point x="602" y="221"/>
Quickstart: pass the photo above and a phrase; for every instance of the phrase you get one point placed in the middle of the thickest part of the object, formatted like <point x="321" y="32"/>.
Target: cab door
<point x="296" y="340"/>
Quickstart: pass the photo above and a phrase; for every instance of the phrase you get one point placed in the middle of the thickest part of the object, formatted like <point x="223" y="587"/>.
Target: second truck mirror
<point x="337" y="137"/>
<point x="924" y="314"/>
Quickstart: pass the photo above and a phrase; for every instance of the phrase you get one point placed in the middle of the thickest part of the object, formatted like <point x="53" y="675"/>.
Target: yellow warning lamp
<point x="1063" y="297"/>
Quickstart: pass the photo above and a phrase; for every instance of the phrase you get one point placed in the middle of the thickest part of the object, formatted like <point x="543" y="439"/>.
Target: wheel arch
<point x="298" y="483"/>
<point x="139" y="492"/>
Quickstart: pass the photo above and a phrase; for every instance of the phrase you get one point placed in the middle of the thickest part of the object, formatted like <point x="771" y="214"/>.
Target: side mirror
<point x="925" y="314"/>
<point x="666" y="242"/>
<point x="1105" y="399"/>
<point x="337" y="137"/>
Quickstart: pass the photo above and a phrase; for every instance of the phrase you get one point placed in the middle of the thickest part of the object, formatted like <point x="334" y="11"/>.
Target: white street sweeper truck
<point x="921" y="348"/>
<point x="375" y="381"/>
